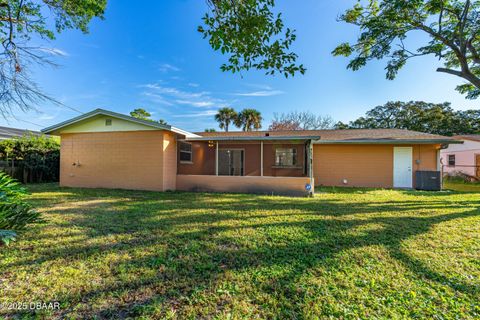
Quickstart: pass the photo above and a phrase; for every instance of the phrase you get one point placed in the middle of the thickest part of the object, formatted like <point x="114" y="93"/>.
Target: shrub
<point x="15" y="212"/>
<point x="32" y="158"/>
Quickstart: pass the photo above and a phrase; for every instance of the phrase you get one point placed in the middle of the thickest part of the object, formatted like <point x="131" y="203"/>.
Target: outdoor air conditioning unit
<point x="428" y="180"/>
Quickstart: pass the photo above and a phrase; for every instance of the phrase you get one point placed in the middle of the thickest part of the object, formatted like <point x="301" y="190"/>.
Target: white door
<point x="402" y="167"/>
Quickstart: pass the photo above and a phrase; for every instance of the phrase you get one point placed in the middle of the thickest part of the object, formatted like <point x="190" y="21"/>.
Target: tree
<point x="24" y="20"/>
<point x="418" y="116"/>
<point x="225" y="117"/>
<point x="453" y="27"/>
<point x="252" y="35"/>
<point x="300" y="120"/>
<point x="210" y="130"/>
<point x="284" y="125"/>
<point x="142" y="114"/>
<point x="249" y="120"/>
<point x="468" y="122"/>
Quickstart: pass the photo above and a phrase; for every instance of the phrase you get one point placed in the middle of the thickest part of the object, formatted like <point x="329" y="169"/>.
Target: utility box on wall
<point x="428" y="180"/>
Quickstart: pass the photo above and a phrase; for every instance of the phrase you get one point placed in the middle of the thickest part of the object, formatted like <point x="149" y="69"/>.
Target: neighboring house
<point x="110" y="150"/>
<point x="9" y="133"/>
<point x="463" y="158"/>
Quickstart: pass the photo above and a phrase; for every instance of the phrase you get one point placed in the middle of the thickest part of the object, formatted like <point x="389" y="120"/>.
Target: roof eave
<point x="390" y="141"/>
<point x="269" y="138"/>
<point x="184" y="133"/>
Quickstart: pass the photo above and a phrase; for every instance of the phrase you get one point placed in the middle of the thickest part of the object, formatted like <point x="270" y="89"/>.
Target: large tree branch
<point x="451" y="71"/>
<point x="473" y="51"/>
<point x="467" y="75"/>
<point x="461" y="28"/>
<point x="436" y="35"/>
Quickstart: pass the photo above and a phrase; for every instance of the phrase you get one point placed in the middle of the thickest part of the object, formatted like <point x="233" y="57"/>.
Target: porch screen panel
<point x="230" y="162"/>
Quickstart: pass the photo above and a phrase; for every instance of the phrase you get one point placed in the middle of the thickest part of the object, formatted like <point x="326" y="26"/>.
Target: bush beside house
<point x="31" y="158"/>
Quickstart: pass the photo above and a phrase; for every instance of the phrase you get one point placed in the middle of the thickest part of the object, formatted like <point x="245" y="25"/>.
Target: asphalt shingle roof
<point x="337" y="135"/>
<point x="473" y="137"/>
<point x="8" y="133"/>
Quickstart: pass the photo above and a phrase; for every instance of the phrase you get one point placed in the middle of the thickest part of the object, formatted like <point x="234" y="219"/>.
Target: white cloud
<point x="166" y="67"/>
<point x="199" y="104"/>
<point x="157" y="98"/>
<point x="174" y="91"/>
<point x="259" y="86"/>
<point x="171" y="96"/>
<point x="264" y="93"/>
<point x="46" y="117"/>
<point x="207" y="113"/>
<point x="54" y="51"/>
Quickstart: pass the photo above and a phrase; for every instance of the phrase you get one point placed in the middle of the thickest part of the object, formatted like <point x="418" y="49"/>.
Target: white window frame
<point x="187" y="152"/>
<point x="454" y="160"/>
<point x="293" y="152"/>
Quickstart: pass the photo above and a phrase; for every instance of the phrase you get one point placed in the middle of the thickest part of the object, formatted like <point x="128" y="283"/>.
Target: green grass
<point x="461" y="186"/>
<point x="342" y="254"/>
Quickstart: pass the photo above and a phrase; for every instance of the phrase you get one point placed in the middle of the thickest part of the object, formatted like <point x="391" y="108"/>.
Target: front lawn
<point x="343" y="254"/>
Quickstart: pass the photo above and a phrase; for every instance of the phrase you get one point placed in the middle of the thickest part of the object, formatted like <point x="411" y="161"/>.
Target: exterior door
<point x="402" y="167"/>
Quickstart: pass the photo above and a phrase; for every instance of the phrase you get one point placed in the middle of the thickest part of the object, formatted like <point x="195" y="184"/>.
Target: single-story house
<point x="104" y="149"/>
<point x="462" y="158"/>
<point x="10" y="133"/>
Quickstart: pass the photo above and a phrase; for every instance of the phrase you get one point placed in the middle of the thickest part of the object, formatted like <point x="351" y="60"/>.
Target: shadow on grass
<point x="200" y="248"/>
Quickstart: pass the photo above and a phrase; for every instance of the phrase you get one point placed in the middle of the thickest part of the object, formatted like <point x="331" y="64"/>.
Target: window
<point x="451" y="159"/>
<point x="285" y="157"/>
<point x="108" y="122"/>
<point x="185" y="152"/>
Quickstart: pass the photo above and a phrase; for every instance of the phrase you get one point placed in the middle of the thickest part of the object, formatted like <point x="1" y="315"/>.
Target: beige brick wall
<point x="365" y="165"/>
<point x="125" y="160"/>
<point x="169" y="161"/>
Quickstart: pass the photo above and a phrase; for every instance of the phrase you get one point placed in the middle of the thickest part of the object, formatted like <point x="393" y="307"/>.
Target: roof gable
<point x="95" y="121"/>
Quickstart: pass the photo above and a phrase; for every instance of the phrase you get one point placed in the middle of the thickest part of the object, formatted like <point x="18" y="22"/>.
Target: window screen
<point x="286" y="157"/>
<point x="186" y="152"/>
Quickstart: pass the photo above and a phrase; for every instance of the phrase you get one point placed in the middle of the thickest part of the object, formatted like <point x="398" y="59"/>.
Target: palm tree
<point x="249" y="119"/>
<point x="224" y="117"/>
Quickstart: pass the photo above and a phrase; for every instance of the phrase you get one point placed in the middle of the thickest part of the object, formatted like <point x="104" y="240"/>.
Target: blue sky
<point x="150" y="55"/>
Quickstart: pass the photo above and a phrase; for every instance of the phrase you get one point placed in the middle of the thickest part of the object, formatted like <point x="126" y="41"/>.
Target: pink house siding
<point x="465" y="155"/>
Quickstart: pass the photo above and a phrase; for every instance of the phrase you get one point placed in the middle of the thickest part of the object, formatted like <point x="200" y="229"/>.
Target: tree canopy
<point x="249" y="120"/>
<point x="225" y="116"/>
<point x="453" y="27"/>
<point x="143" y="114"/>
<point x="140" y="113"/>
<point x="436" y="118"/>
<point x="252" y="35"/>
